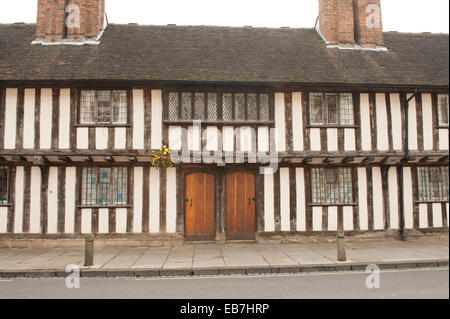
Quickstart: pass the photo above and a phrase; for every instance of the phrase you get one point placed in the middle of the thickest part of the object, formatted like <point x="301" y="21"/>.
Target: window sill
<point x="102" y="206"/>
<point x="438" y="201"/>
<point x="102" y="125"/>
<point x="332" y="126"/>
<point x="5" y="205"/>
<point x="336" y="204"/>
<point x="220" y="123"/>
<point x="441" y="127"/>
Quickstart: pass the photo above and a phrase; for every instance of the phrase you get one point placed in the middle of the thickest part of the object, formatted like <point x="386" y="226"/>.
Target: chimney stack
<point x="69" y="20"/>
<point x="351" y="23"/>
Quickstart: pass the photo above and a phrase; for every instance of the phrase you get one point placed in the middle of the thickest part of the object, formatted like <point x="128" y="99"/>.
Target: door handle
<point x="187" y="201"/>
<point x="191" y="202"/>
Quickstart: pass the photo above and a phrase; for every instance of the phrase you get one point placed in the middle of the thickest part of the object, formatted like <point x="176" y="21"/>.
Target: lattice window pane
<point x="443" y="109"/>
<point x="252" y="109"/>
<point x="422" y="178"/>
<point x="103" y="107"/>
<point x="89" y="186"/>
<point x="212" y="107"/>
<point x="120" y="186"/>
<point x="87" y="107"/>
<point x="435" y="183"/>
<point x="264" y="107"/>
<point x="173" y="106"/>
<point x="186" y="106"/>
<point x="332" y="109"/>
<point x="445" y="183"/>
<point x="345" y="186"/>
<point x="104" y="186"/>
<point x="346" y="109"/>
<point x="3" y="185"/>
<point x="227" y="101"/>
<point x="199" y="107"/>
<point x="119" y="101"/>
<point x="239" y="106"/>
<point x="332" y="195"/>
<point x="318" y="185"/>
<point x="316" y="108"/>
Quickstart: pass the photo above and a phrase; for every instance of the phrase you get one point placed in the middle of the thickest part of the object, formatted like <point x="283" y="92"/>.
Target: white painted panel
<point x="408" y="197"/>
<point x="280" y="125"/>
<point x="412" y="123"/>
<point x="332" y="218"/>
<point x="427" y="115"/>
<point x="35" y="200"/>
<point x="46" y="119"/>
<point x="443" y="139"/>
<point x="138" y="119"/>
<point x="314" y="135"/>
<point x="10" y="119"/>
<point x="103" y="220"/>
<point x="366" y="139"/>
<point x="349" y="139"/>
<point x="29" y="108"/>
<point x="18" y="205"/>
<point x="138" y="181"/>
<point x="378" y="207"/>
<point x="157" y="108"/>
<point x="263" y="139"/>
<point x="423" y="216"/>
<point x="297" y="121"/>
<point x="154" y="200"/>
<point x="284" y="199"/>
<point x="301" y="203"/>
<point x="175" y="137"/>
<point x="362" y="198"/>
<point x="212" y="138"/>
<point x="246" y="138"/>
<point x="396" y="120"/>
<point x="121" y="220"/>
<point x="228" y="138"/>
<point x="447" y="211"/>
<point x="3" y="220"/>
<point x="437" y="215"/>
<point x="348" y="218"/>
<point x="82" y="138"/>
<point x="101" y="138"/>
<point x="332" y="139"/>
<point x="382" y="125"/>
<point x="317" y="218"/>
<point x="269" y="217"/>
<point x="64" y="119"/>
<point x="69" y="226"/>
<point x="52" y="209"/>
<point x="120" y="138"/>
<point x="171" y="204"/>
<point x="86" y="221"/>
<point x="393" y="198"/>
<point x="194" y="138"/>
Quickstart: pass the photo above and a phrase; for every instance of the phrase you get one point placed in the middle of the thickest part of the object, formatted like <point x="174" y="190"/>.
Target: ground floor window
<point x="104" y="186"/>
<point x="432" y="183"/>
<point x="331" y="186"/>
<point x="3" y="185"/>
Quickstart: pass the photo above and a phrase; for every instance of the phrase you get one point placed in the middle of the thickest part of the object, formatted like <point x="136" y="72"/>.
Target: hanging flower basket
<point x="161" y="158"/>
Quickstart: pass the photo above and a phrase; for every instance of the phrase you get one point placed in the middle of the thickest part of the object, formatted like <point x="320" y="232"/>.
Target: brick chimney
<point x="351" y="23"/>
<point x="69" y="20"/>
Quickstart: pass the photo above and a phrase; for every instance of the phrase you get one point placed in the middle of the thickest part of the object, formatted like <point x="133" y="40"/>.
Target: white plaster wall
<point x="35" y="200"/>
<point x="28" y="118"/>
<point x="349" y="139"/>
<point x="366" y="139"/>
<point x="10" y="119"/>
<point x="408" y="197"/>
<point x="317" y="216"/>
<point x="314" y="135"/>
<point x="46" y="119"/>
<point x="412" y="124"/>
<point x="437" y="215"/>
<point x="154" y="200"/>
<point x="3" y="220"/>
<point x="301" y="204"/>
<point x="175" y="137"/>
<point x="103" y="220"/>
<point x="156" y="128"/>
<point x="362" y="198"/>
<point x="332" y="218"/>
<point x="101" y="138"/>
<point x="171" y="204"/>
<point x="269" y="219"/>
<point x="138" y="119"/>
<point x="280" y="125"/>
<point x="443" y="139"/>
<point x="348" y="217"/>
<point x="427" y="114"/>
<point x="378" y="201"/>
<point x="382" y="125"/>
<point x="138" y="199"/>
<point x="86" y="221"/>
<point x="284" y="199"/>
<point x="396" y="120"/>
<point x="263" y="139"/>
<point x="69" y="224"/>
<point x="332" y="139"/>
<point x="64" y="119"/>
<point x="120" y="138"/>
<point x="212" y="138"/>
<point x="121" y="220"/>
<point x="297" y="121"/>
<point x="228" y="138"/>
<point x="52" y="206"/>
<point x="393" y="198"/>
<point x="18" y="205"/>
<point x="423" y="216"/>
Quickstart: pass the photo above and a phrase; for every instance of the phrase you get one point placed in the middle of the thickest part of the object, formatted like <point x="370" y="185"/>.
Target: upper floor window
<point x="442" y="109"/>
<point x="103" y="107"/>
<point x="331" y="109"/>
<point x="104" y="186"/>
<point x="331" y="186"/>
<point x="3" y="185"/>
<point x="432" y="183"/>
<point x="218" y="106"/>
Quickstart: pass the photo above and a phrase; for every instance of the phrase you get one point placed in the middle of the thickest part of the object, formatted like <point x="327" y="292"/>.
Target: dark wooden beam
<point x="19" y="158"/>
<point x="307" y="160"/>
<point x="65" y="159"/>
<point x="424" y="159"/>
<point x="2" y="159"/>
<point x="87" y="158"/>
<point x="348" y="160"/>
<point x="443" y="159"/>
<point x="328" y="160"/>
<point x="368" y="159"/>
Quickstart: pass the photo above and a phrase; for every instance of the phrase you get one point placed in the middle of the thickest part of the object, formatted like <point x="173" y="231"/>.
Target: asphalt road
<point x="423" y="284"/>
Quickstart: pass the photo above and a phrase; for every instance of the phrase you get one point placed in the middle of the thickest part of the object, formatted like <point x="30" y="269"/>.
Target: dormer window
<point x="331" y="109"/>
<point x="105" y="107"/>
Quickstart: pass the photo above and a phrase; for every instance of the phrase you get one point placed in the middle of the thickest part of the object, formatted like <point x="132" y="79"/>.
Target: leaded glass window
<point x="432" y="183"/>
<point x="331" y="109"/>
<point x="331" y="186"/>
<point x="103" y="107"/>
<point x="4" y="185"/>
<point x="104" y="186"/>
<point x="443" y="109"/>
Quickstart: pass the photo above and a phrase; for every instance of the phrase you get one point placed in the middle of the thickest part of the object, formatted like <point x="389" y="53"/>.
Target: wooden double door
<point x="200" y="206"/>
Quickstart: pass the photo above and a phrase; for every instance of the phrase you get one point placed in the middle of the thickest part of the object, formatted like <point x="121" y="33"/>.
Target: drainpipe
<point x="402" y="164"/>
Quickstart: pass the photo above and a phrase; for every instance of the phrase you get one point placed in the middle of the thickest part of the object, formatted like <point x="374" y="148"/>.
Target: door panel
<point x="199" y="203"/>
<point x="240" y="219"/>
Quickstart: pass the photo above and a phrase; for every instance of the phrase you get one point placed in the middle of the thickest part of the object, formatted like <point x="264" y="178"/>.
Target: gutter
<point x="402" y="165"/>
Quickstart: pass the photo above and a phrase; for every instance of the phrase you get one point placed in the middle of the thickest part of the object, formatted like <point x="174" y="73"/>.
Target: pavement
<point x="225" y="259"/>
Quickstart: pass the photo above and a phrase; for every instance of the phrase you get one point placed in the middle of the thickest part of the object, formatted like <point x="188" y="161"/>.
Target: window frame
<point x="95" y="123"/>
<point x="352" y="176"/>
<point x="219" y="106"/>
<point x="443" y="179"/>
<point x="324" y="123"/>
<point x="82" y="203"/>
<point x="439" y="123"/>
<point x="6" y="201"/>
